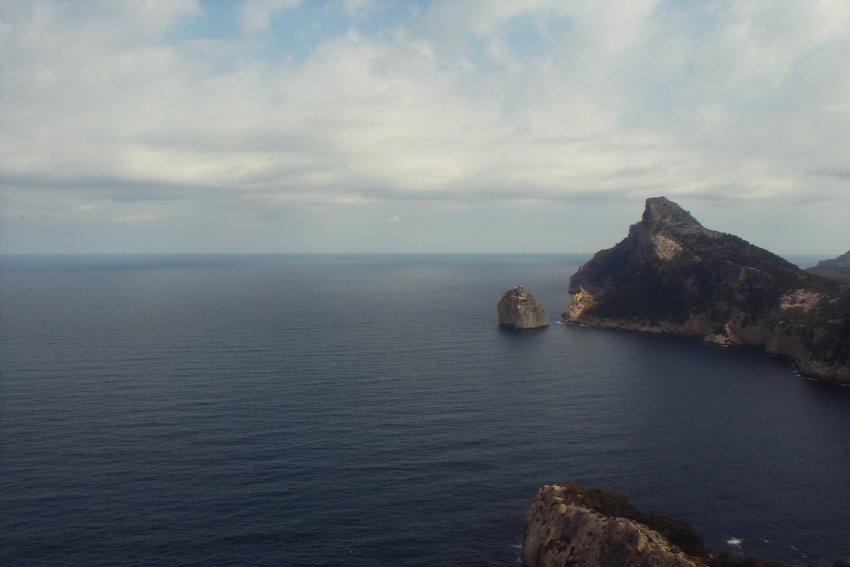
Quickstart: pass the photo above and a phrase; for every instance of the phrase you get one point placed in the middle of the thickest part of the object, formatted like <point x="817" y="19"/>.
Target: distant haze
<point x="441" y="126"/>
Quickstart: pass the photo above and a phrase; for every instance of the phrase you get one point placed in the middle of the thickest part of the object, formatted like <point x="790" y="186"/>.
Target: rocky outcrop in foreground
<point x="521" y="310"/>
<point x="672" y="275"/>
<point x="561" y="529"/>
<point x="838" y="268"/>
<point x="568" y="525"/>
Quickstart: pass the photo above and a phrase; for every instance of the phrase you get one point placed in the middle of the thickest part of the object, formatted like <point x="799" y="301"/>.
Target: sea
<point x="367" y="410"/>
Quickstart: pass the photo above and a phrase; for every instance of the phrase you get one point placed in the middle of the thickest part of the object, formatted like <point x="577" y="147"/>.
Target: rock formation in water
<point x="838" y="268"/>
<point x="521" y="310"/>
<point x="672" y="275"/>
<point x="568" y="525"/>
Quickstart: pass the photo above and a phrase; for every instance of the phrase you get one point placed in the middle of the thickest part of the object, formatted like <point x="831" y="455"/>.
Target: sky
<point x="311" y="126"/>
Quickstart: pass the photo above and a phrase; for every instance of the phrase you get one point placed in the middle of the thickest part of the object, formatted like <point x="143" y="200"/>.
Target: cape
<point x="672" y="275"/>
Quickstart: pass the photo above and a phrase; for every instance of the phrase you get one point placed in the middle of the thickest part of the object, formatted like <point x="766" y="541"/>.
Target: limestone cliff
<point x="521" y="310"/>
<point x="562" y="530"/>
<point x="672" y="275"/>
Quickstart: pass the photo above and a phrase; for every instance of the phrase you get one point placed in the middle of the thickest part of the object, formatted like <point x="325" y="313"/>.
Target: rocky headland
<point x="519" y="309"/>
<point x="568" y="525"/>
<point x="838" y="268"/>
<point x="672" y="275"/>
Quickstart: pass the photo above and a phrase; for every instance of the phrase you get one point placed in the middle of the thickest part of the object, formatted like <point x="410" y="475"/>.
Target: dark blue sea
<point x="367" y="410"/>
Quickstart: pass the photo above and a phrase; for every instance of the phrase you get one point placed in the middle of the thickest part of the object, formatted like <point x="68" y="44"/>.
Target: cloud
<point x="838" y="172"/>
<point x="357" y="7"/>
<point x="137" y="218"/>
<point x="87" y="207"/>
<point x="308" y="199"/>
<point x="257" y="15"/>
<point x="453" y="104"/>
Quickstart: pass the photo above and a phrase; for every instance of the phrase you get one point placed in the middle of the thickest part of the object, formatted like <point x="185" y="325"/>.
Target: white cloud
<point x="358" y="7"/>
<point x="724" y="101"/>
<point x="257" y="15"/>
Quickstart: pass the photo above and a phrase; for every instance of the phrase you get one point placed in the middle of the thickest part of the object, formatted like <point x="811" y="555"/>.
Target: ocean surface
<point x="367" y="410"/>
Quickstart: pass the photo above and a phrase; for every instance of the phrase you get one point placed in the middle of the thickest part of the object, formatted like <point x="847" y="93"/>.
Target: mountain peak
<point x="661" y="212"/>
<point x="672" y="275"/>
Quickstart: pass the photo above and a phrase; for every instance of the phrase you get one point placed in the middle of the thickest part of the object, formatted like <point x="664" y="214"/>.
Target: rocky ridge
<point x="672" y="275"/>
<point x="560" y="531"/>
<point x="568" y="525"/>
<point x="519" y="309"/>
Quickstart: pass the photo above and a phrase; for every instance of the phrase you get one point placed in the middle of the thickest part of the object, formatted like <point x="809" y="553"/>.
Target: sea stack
<point x="672" y="275"/>
<point x="519" y="309"/>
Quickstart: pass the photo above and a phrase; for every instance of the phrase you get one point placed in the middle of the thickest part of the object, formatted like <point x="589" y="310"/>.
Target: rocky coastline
<point x="561" y="530"/>
<point x="568" y="525"/>
<point x="672" y="275"/>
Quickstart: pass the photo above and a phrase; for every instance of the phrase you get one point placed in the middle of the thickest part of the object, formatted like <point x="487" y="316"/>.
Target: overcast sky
<point x="420" y="126"/>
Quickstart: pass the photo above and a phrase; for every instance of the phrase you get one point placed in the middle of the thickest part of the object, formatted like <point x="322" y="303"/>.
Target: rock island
<point x="519" y="309"/>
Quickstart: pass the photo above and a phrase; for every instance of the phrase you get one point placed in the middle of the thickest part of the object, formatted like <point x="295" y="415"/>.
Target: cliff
<point x="521" y="310"/>
<point x="561" y="531"/>
<point x="672" y="275"/>
<point x="570" y="526"/>
<point x="838" y="268"/>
